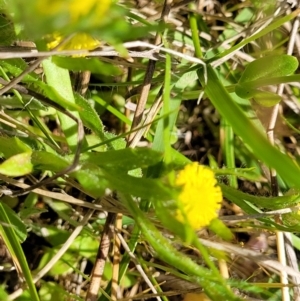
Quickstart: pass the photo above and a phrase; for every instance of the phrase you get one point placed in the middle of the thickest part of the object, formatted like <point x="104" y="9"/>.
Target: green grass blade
<point x="12" y="242"/>
<point x="244" y="128"/>
<point x="261" y="33"/>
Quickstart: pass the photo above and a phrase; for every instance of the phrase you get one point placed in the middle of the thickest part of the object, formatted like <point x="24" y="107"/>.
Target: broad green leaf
<point x="51" y="291"/>
<point x="296" y="241"/>
<point x="92" y="179"/>
<point x="262" y="69"/>
<point x="188" y="78"/>
<point x="63" y="265"/>
<point x="17" y="165"/>
<point x="266" y="99"/>
<point x="86" y="64"/>
<point x="11" y="146"/>
<point x="55" y="96"/>
<point x="95" y="180"/>
<point x="59" y="81"/>
<point x="269" y="66"/>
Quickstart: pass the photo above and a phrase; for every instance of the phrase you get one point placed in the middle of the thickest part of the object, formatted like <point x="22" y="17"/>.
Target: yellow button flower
<point x="200" y="198"/>
<point x="75" y="9"/>
<point x="77" y="42"/>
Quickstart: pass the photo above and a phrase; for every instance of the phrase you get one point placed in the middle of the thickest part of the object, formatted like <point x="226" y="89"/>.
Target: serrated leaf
<point x="16" y="66"/>
<point x="89" y="116"/>
<point x="51" y="93"/>
<point x="86" y="64"/>
<point x="14" y="102"/>
<point x="17" y="165"/>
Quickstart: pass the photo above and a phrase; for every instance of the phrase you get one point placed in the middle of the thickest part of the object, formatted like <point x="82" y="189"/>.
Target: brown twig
<point x="96" y="277"/>
<point x="138" y="115"/>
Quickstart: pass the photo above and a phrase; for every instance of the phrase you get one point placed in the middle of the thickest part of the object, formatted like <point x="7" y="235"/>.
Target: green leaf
<point x="89" y="116"/>
<point x="55" y="96"/>
<point x="271" y="203"/>
<point x="11" y="146"/>
<point x="260" y="70"/>
<point x="266" y="99"/>
<point x="212" y="283"/>
<point x="125" y="159"/>
<point x="140" y="187"/>
<point x="92" y="179"/>
<point x="16" y="223"/>
<point x="251" y="174"/>
<point x="269" y="66"/>
<point x="48" y="161"/>
<point x="86" y="64"/>
<point x="59" y="83"/>
<point x="3" y="294"/>
<point x="16" y="66"/>
<point x="17" y="165"/>
<point x="14" y="102"/>
<point x="7" y="33"/>
<point x="218" y="227"/>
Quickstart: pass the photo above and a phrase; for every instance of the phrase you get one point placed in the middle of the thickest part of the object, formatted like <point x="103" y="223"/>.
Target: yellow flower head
<point x="74" y="8"/>
<point x="200" y="197"/>
<point x="77" y="42"/>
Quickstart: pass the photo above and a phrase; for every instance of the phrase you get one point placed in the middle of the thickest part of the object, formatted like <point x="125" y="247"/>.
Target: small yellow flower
<point x="75" y="9"/>
<point x="77" y="42"/>
<point x="200" y="198"/>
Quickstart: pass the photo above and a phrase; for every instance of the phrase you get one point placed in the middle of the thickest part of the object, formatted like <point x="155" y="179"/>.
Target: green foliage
<point x="17" y="165"/>
<point x="7" y="34"/>
<point x="39" y="139"/>
<point x="244" y="127"/>
<point x="260" y="70"/>
<point x="86" y="64"/>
